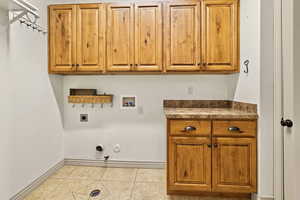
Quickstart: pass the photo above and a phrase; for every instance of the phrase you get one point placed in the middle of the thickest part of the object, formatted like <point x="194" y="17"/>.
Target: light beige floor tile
<point x="64" y="172"/>
<point x="149" y="191"/>
<point x="49" y="187"/>
<point x="80" y="189"/>
<point x="119" y="174"/>
<point x="93" y="173"/>
<point x="151" y="175"/>
<point x="61" y="194"/>
<point x="118" y="190"/>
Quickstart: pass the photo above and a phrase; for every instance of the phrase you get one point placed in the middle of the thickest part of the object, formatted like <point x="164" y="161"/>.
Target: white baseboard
<point x="116" y="163"/>
<point x="261" y="197"/>
<point x="37" y="182"/>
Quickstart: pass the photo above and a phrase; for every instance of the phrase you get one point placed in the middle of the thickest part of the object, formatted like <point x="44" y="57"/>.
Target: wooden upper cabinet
<point x="120" y="45"/>
<point x="148" y="37"/>
<point x="91" y="25"/>
<point x="234" y="165"/>
<point x="139" y="36"/>
<point x="182" y="36"/>
<point x="62" y="38"/>
<point x="220" y="45"/>
<point x="189" y="163"/>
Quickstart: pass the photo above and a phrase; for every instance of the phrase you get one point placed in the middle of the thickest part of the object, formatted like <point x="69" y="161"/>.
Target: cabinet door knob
<point x="77" y="65"/>
<point x="234" y="129"/>
<point x="216" y="145"/>
<point x="189" y="128"/>
<point x="209" y="145"/>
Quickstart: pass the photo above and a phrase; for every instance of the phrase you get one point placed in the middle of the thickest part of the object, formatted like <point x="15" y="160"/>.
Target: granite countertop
<point x="214" y="109"/>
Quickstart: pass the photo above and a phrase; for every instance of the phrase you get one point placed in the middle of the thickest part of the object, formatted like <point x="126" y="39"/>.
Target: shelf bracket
<point x="18" y="16"/>
<point x="20" y="8"/>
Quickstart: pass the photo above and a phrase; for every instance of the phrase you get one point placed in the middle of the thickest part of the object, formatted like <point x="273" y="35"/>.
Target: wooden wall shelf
<point x="99" y="99"/>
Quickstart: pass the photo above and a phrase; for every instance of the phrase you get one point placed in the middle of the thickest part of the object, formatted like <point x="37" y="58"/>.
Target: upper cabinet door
<point x="148" y="37"/>
<point x="62" y="38"/>
<point x="234" y="165"/>
<point x="120" y="45"/>
<point x="220" y="35"/>
<point x="182" y="36"/>
<point x="91" y="25"/>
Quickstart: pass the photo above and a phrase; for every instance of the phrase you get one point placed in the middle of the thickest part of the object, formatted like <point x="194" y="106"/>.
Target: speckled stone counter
<point x="209" y="109"/>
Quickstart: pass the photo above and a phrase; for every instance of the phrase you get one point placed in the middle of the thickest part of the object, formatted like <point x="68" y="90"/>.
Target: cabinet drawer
<point x="190" y="127"/>
<point x="234" y="128"/>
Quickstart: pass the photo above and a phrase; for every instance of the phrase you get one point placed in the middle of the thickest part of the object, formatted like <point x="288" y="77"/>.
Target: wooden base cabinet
<point x="209" y="163"/>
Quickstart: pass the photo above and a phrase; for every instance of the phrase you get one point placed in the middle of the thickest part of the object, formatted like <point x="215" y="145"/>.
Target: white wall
<point x="104" y="126"/>
<point x="265" y="141"/>
<point x="248" y="85"/>
<point x="296" y="117"/>
<point x="6" y="111"/>
<point x="32" y="126"/>
<point x="142" y="136"/>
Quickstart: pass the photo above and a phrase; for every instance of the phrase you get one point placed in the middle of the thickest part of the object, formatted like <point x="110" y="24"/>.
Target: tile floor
<point x="76" y="183"/>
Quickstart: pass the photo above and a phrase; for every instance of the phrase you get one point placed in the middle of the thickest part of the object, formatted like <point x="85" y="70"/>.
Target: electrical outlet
<point x="84" y="117"/>
<point x="140" y="110"/>
<point x="190" y="90"/>
<point x="117" y="148"/>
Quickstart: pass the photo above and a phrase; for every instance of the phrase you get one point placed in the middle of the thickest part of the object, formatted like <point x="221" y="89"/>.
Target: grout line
<point x="133" y="184"/>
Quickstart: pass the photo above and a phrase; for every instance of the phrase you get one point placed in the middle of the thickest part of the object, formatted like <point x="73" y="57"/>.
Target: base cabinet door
<point x="234" y="165"/>
<point x="220" y="35"/>
<point x="91" y="24"/>
<point x="62" y="38"/>
<point x="189" y="164"/>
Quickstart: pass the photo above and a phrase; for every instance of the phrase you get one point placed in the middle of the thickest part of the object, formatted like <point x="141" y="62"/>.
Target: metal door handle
<point x="234" y="129"/>
<point x="288" y="123"/>
<point x="189" y="128"/>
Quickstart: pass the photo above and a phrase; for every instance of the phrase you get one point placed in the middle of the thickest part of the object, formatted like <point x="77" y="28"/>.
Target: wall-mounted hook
<point x="102" y="105"/>
<point x="92" y="105"/>
<point x="73" y="106"/>
<point x="82" y="105"/>
<point x="246" y="63"/>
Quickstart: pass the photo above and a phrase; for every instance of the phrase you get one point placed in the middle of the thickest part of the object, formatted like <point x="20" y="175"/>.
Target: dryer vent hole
<point x="95" y="193"/>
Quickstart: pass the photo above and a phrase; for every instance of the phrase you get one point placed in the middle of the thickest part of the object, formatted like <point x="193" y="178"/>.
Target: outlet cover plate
<point x="84" y="117"/>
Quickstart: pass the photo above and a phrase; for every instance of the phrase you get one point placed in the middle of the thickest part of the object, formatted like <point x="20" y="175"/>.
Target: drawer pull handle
<point x="189" y="128"/>
<point x="234" y="129"/>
